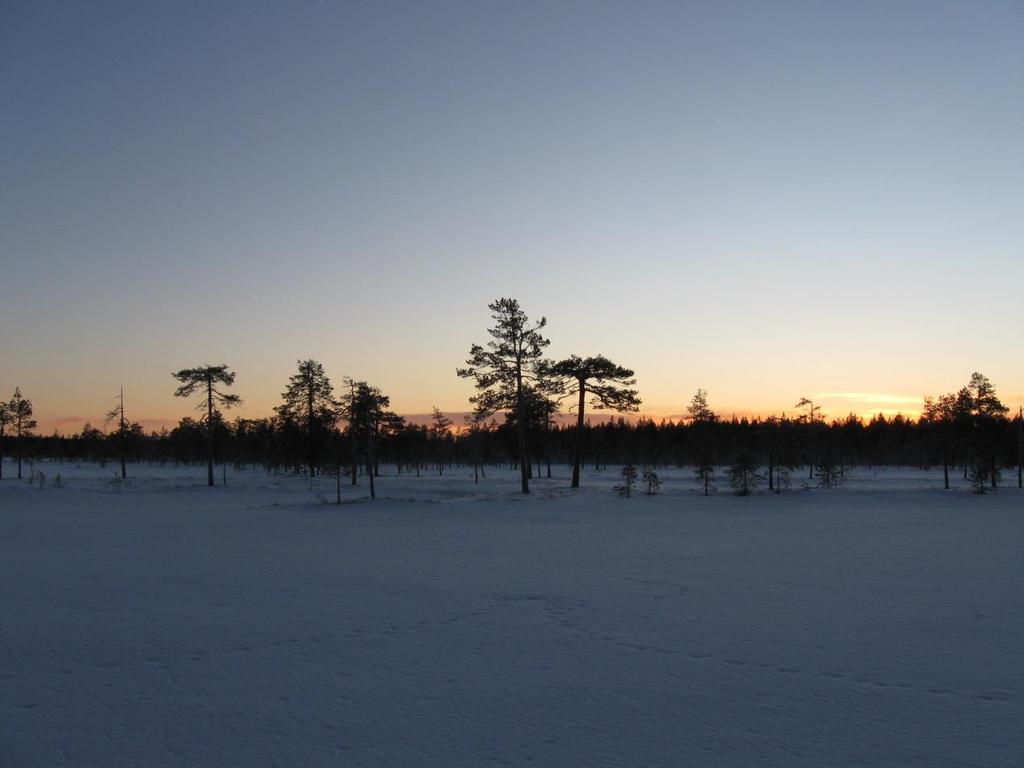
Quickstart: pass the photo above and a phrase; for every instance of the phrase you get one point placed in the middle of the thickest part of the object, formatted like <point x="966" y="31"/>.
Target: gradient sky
<point x="768" y="200"/>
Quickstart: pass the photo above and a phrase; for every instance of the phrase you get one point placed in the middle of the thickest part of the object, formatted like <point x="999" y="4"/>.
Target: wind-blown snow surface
<point x="169" y="624"/>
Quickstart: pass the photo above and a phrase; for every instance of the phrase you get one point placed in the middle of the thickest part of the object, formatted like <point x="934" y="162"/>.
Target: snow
<point x="166" y="624"/>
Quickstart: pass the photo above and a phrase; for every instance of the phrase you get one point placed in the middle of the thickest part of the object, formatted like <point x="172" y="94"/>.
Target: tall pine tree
<point x="608" y="385"/>
<point x="504" y="369"/>
<point x="207" y="381"/>
<point x="20" y="409"/>
<point x="309" y="405"/>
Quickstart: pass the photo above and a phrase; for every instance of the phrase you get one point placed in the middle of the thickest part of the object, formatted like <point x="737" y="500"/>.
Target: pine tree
<point x="477" y="424"/>
<point x="309" y="404"/>
<point x="939" y="416"/>
<point x="367" y="413"/>
<point x="743" y="474"/>
<point x="5" y="420"/>
<point x="628" y="475"/>
<point x="20" y="410"/>
<point x="504" y="369"/>
<point x="608" y="385"/>
<point x="651" y="478"/>
<point x="440" y="432"/>
<point x="205" y="380"/>
<point x="812" y="419"/>
<point x="702" y="420"/>
<point x="829" y="472"/>
<point x="988" y="411"/>
<point x="123" y="431"/>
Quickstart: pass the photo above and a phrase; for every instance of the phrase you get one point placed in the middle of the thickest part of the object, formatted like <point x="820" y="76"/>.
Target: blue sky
<point x="763" y="199"/>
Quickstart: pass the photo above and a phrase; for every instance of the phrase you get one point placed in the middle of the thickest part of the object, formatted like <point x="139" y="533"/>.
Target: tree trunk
<point x="945" y="467"/>
<point x="124" y="470"/>
<point x="524" y="469"/>
<point x="577" y="450"/>
<point x="369" y="448"/>
<point x="209" y="432"/>
<point x="1020" y="447"/>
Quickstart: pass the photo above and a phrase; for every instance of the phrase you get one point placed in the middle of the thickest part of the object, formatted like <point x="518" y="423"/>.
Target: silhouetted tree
<point x="651" y="478"/>
<point x="939" y="416"/>
<point x="628" y="475"/>
<point x="743" y="473"/>
<point x="829" y="473"/>
<point x="20" y="410"/>
<point x="1020" y="447"/>
<point x="702" y="419"/>
<point x="309" y="404"/>
<point x="206" y="379"/>
<point x="440" y="432"/>
<point x="5" y="420"/>
<point x="477" y="425"/>
<point x="367" y="411"/>
<point x="123" y="432"/>
<point x="811" y="419"/>
<point x="608" y="385"/>
<point x="503" y="369"/>
<point x="347" y="411"/>
<point x="988" y="411"/>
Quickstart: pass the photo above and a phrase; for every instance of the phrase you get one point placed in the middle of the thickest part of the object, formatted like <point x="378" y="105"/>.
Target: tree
<point x="813" y="417"/>
<point x="939" y="416"/>
<point x="830" y="473"/>
<point x="477" y="424"/>
<point x="743" y="473"/>
<point x="123" y="431"/>
<point x="651" y="478"/>
<point x="5" y="420"/>
<point x="1020" y="447"/>
<point x="503" y="369"/>
<point x="367" y="411"/>
<point x="205" y="380"/>
<point x="988" y="411"/>
<point x="609" y="386"/>
<point x="702" y="420"/>
<point x="347" y="411"/>
<point x="20" y="410"/>
<point x="628" y="475"/>
<point x="440" y="432"/>
<point x="309" y="404"/>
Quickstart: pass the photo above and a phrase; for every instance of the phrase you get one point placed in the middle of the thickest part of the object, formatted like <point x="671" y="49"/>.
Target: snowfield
<point x="447" y="624"/>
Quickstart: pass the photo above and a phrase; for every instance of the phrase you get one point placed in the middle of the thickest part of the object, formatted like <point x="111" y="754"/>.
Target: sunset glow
<point x="692" y="191"/>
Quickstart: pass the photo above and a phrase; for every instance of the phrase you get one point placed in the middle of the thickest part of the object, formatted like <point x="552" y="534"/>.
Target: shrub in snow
<point x="783" y="478"/>
<point x="983" y="476"/>
<point x="704" y="474"/>
<point x="743" y="474"/>
<point x="628" y="481"/>
<point x="651" y="478"/>
<point x="830" y="474"/>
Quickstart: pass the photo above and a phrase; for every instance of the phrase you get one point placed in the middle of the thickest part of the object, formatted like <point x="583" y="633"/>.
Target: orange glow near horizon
<point x="865" y="406"/>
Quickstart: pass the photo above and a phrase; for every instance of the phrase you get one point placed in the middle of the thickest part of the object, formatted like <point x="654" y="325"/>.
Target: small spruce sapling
<point x="983" y="476"/>
<point x="651" y="478"/>
<point x="743" y="474"/>
<point x="628" y="481"/>
<point x="830" y="474"/>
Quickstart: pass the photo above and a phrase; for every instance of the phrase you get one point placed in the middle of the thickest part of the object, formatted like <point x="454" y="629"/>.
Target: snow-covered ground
<point x="164" y="623"/>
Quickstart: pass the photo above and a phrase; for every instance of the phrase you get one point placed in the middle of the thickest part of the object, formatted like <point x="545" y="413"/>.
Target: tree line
<point x="349" y="433"/>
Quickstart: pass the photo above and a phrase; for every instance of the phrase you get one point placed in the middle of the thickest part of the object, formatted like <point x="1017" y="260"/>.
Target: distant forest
<point x="349" y="432"/>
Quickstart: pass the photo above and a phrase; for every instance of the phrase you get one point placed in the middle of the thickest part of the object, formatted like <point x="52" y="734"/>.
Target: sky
<point x="766" y="200"/>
